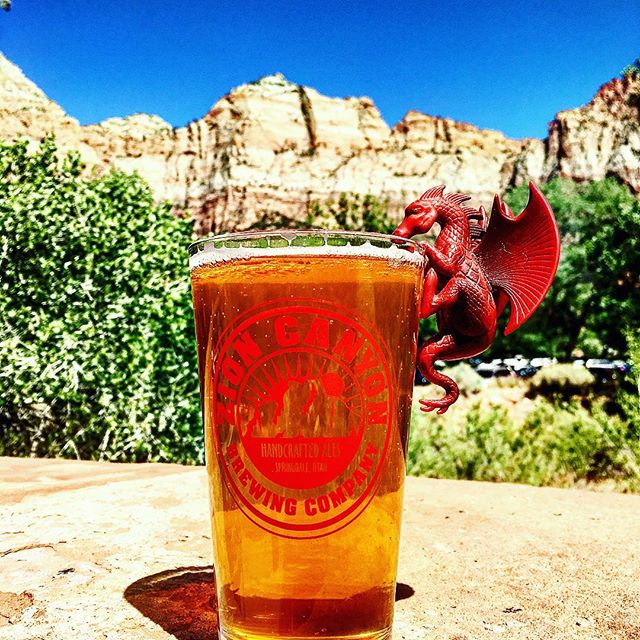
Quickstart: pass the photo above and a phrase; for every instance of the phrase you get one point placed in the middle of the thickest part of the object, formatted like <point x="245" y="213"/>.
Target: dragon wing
<point x="519" y="256"/>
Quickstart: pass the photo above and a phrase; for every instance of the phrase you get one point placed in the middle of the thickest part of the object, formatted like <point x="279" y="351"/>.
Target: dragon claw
<point x="440" y="405"/>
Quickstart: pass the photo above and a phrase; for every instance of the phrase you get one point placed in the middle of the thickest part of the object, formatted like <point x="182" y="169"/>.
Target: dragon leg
<point x="432" y="302"/>
<point x="447" y="346"/>
<point x="429" y="293"/>
<point x="444" y="264"/>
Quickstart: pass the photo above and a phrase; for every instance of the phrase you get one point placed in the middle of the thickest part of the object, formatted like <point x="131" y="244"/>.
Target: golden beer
<point x="307" y="344"/>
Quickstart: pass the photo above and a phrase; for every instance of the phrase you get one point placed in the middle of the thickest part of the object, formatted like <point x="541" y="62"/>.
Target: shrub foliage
<point x="96" y="333"/>
<point x="562" y="380"/>
<point x="351" y="212"/>
<point x="557" y="444"/>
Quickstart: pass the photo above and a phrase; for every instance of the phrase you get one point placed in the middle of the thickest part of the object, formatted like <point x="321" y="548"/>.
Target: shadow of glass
<point x="403" y="591"/>
<point x="183" y="601"/>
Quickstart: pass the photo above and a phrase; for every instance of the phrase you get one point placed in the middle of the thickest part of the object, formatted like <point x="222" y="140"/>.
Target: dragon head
<point x="419" y="217"/>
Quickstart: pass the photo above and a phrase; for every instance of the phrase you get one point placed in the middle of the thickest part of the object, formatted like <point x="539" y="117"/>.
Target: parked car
<point x="516" y="363"/>
<point x="527" y="371"/>
<point x="493" y="369"/>
<point x="543" y="362"/>
<point x="606" y="370"/>
<point x="623" y="367"/>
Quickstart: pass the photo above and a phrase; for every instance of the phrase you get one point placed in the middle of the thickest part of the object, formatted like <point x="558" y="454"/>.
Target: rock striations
<point x="270" y="148"/>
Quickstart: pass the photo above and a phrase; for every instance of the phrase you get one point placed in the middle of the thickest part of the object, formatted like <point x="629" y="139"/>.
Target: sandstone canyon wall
<point x="272" y="147"/>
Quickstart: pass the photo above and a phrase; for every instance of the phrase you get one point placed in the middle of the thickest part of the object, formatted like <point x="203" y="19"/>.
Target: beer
<point x="307" y="357"/>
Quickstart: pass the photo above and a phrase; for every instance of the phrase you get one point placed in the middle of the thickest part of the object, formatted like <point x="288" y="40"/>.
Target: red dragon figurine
<point x="476" y="269"/>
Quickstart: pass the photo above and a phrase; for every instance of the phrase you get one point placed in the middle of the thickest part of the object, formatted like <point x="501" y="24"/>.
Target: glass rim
<point x="291" y="234"/>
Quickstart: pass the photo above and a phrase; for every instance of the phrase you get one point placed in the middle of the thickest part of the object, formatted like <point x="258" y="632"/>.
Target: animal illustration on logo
<point x="303" y="386"/>
<point x="322" y="399"/>
<point x="476" y="268"/>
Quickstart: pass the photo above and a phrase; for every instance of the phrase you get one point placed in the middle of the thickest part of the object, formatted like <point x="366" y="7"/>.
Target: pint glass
<point x="307" y="344"/>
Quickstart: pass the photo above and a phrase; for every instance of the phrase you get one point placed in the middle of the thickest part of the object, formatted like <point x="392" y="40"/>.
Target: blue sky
<point x="502" y="65"/>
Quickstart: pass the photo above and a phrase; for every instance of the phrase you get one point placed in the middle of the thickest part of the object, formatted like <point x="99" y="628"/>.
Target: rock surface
<point x="97" y="550"/>
<point x="268" y="149"/>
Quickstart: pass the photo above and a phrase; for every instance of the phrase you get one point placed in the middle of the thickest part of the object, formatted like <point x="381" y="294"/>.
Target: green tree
<point x="630" y="394"/>
<point x="595" y="298"/>
<point x="351" y="212"/>
<point x="97" y="356"/>
<point x="632" y="70"/>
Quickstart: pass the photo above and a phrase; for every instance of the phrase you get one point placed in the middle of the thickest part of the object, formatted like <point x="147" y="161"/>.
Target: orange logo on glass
<point x="304" y="402"/>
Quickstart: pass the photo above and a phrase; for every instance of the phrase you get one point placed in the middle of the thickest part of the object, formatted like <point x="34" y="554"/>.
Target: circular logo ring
<point x="303" y="398"/>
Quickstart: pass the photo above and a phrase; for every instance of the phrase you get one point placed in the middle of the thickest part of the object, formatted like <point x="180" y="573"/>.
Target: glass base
<point x="224" y="634"/>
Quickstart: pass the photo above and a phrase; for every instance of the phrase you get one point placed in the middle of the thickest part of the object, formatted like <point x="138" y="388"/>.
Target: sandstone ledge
<point x="96" y="550"/>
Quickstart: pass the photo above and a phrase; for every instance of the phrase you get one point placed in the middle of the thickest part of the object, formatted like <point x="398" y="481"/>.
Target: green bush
<point x="352" y="212"/>
<point x="554" y="444"/>
<point x="564" y="380"/>
<point x="630" y="393"/>
<point x="474" y="445"/>
<point x="563" y="444"/>
<point x="97" y="356"/>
